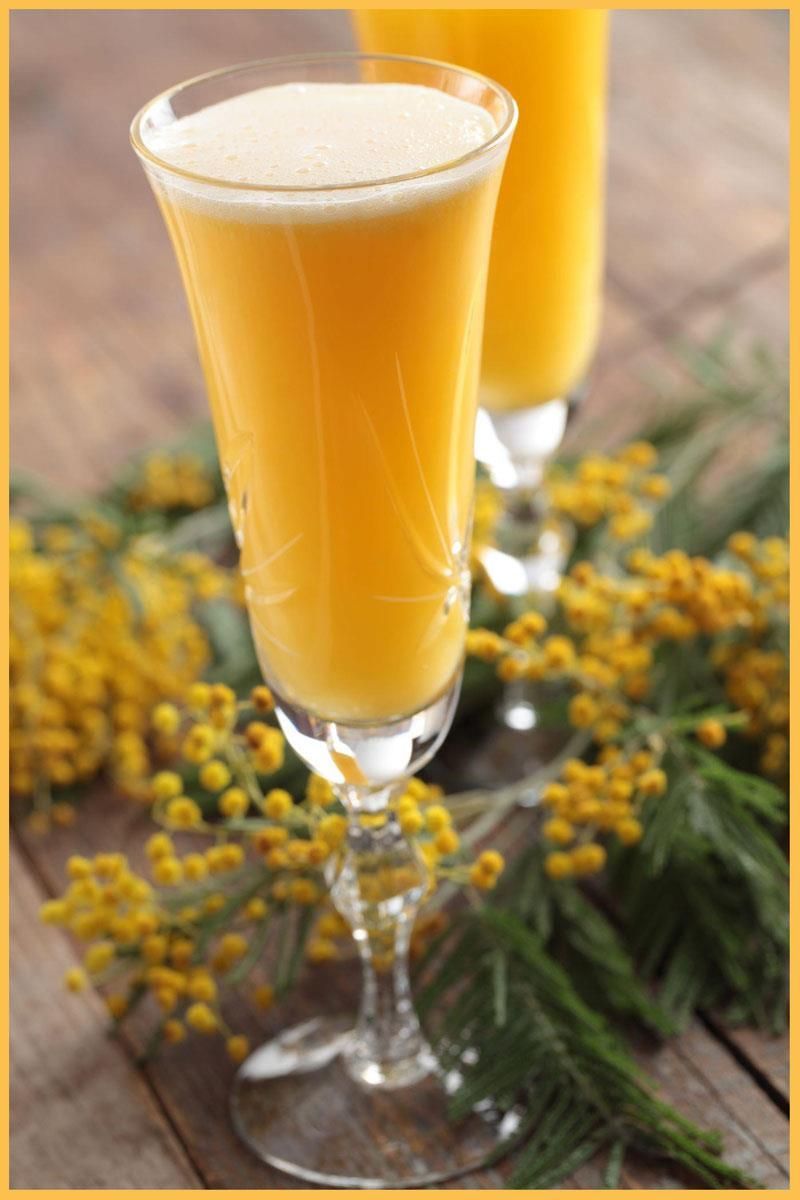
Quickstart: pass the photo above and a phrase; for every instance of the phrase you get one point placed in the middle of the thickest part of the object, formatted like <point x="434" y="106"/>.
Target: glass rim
<point x="502" y="134"/>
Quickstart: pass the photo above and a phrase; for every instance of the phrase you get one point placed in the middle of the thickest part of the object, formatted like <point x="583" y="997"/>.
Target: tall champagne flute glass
<point x="543" y="301"/>
<point x="332" y="219"/>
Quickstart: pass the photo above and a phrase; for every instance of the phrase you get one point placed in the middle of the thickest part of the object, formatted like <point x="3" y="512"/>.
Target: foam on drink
<point x="324" y="134"/>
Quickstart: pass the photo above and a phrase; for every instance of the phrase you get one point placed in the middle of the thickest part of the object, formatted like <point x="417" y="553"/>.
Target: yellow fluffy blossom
<point x="447" y="841"/>
<point x="256" y="909"/>
<point x="278" y="804"/>
<point x="711" y="733"/>
<point x="592" y="801"/>
<point x="261" y="699"/>
<point x="411" y="821"/>
<point x="166" y="718"/>
<point x="199" y="744"/>
<point x="168" y="872"/>
<point x="159" y="845"/>
<point x="198" y="697"/>
<point x="485" y="871"/>
<point x="201" y="1018"/>
<point x="237" y="1047"/>
<point x="558" y="865"/>
<point x="320" y="949"/>
<point x="652" y="782"/>
<point x="319" y="791"/>
<point x="588" y="858"/>
<point x="233" y="802"/>
<point x="560" y="831"/>
<point x="75" y="979"/>
<point x="264" y="996"/>
<point x="167" y="482"/>
<point x="437" y="818"/>
<point x="167" y="785"/>
<point x="103" y="632"/>
<point x="214" y="776"/>
<point x="183" y="813"/>
<point x="202" y="987"/>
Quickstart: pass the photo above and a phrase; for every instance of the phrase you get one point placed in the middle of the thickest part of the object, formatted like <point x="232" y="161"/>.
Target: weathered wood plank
<point x="757" y="311"/>
<point x="103" y="354"/>
<point x="193" y="1080"/>
<point x="710" y="1088"/>
<point x="694" y="1072"/>
<point x="698" y="148"/>
<point x="764" y="1054"/>
<point x="644" y="371"/>
<point x="81" y="1115"/>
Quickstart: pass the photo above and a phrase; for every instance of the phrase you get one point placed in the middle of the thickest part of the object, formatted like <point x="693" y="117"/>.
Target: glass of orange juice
<point x="544" y="292"/>
<point x="332" y="219"/>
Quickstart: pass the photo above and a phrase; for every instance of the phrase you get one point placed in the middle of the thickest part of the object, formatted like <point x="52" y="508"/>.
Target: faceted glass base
<point x="298" y="1108"/>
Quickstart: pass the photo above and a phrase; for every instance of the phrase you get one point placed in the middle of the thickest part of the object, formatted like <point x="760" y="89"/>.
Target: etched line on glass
<point x="270" y="636"/>
<point x="428" y="561"/>
<point x="265" y="599"/>
<point x="271" y="558"/>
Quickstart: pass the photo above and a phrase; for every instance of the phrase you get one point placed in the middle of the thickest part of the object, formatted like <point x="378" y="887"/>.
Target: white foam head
<point x="357" y="137"/>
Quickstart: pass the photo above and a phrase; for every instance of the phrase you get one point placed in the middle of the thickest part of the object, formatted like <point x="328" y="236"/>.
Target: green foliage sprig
<point x="541" y="1048"/>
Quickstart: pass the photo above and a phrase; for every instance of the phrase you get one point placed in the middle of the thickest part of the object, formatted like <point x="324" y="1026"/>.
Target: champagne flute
<point x="332" y="217"/>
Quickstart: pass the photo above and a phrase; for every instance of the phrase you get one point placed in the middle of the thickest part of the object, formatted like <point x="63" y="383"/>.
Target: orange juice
<point x="543" y="303"/>
<point x="340" y="335"/>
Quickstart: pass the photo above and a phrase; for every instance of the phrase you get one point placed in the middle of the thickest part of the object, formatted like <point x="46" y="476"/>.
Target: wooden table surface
<point x="103" y="363"/>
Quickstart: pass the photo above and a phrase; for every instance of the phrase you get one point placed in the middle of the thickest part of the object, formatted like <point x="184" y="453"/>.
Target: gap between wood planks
<point x="760" y="1076"/>
<point x="735" y="1101"/>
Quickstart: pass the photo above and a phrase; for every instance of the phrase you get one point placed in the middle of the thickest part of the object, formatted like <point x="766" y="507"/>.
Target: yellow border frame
<point x="794" y="103"/>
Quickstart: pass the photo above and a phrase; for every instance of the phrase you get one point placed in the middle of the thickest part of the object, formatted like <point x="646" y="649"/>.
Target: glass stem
<point x="381" y="882"/>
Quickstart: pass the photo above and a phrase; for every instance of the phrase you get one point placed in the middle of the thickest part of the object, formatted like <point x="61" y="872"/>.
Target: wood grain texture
<point x="697" y="187"/>
<point x="103" y="355"/>
<point x="764" y="1055"/>
<point x="80" y="1113"/>
<point x="698" y="149"/>
<point x="709" y="1087"/>
<point x="193" y="1080"/>
<point x="694" y="1072"/>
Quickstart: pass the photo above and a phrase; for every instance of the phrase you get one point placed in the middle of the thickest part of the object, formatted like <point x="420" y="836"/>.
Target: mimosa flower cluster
<point x="166" y="482"/>
<point x="234" y="859"/>
<point x="615" y="633"/>
<point x="620" y="491"/>
<point x="589" y="801"/>
<point x="103" y="625"/>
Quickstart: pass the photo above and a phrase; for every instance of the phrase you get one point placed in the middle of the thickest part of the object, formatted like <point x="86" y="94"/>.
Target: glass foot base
<point x="297" y="1108"/>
